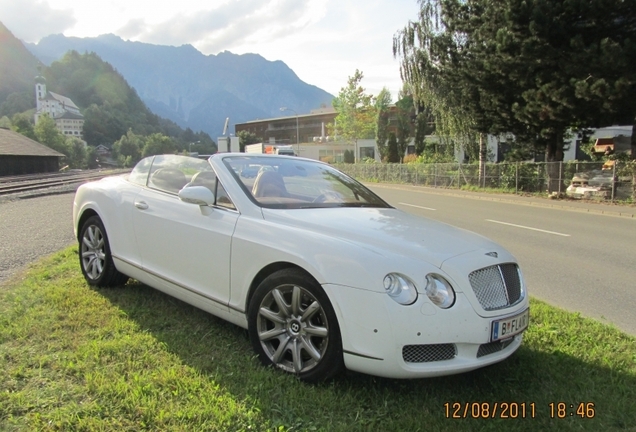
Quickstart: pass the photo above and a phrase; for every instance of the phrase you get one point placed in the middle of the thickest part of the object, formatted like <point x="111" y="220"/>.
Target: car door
<point x="121" y="232"/>
<point x="184" y="244"/>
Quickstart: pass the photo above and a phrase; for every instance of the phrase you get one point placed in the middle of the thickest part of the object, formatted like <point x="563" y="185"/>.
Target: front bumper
<point x="383" y="338"/>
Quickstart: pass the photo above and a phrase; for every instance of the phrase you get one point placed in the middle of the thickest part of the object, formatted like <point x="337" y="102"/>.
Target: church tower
<point x="40" y="95"/>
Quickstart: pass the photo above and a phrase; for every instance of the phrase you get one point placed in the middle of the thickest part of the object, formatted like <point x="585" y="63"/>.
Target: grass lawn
<point x="131" y="358"/>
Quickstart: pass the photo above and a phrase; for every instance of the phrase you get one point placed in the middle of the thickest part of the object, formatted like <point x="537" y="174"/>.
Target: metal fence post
<point x="517" y="178"/>
<point x="614" y="179"/>
<point x="560" y="176"/>
<point x="435" y="175"/>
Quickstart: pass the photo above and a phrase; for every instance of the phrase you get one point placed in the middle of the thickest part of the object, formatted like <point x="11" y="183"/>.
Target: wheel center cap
<point x="294" y="326"/>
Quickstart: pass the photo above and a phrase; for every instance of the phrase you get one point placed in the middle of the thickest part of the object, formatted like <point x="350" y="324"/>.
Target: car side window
<point x="139" y="175"/>
<point x="222" y="198"/>
<point x="209" y="180"/>
<point x="167" y="179"/>
<point x="170" y="173"/>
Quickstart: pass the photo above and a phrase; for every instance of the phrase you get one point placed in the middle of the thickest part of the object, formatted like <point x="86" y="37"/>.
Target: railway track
<point x="33" y="182"/>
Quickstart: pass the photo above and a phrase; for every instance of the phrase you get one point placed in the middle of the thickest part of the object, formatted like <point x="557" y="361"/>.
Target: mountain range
<point x="192" y="89"/>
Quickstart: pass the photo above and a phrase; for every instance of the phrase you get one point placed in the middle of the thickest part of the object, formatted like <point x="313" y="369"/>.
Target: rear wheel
<point x="293" y="326"/>
<point x="95" y="258"/>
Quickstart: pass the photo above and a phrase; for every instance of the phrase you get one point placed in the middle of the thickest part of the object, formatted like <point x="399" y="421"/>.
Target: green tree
<point x="92" y="158"/>
<point x="157" y="144"/>
<point x="356" y="112"/>
<point x="435" y="152"/>
<point x="22" y="124"/>
<point x="382" y="104"/>
<point x="103" y="124"/>
<point x="392" y="147"/>
<point x="348" y="156"/>
<point x="46" y="133"/>
<point x="127" y="150"/>
<point x="424" y="126"/>
<point x="16" y="103"/>
<point x="77" y="153"/>
<point x="534" y="68"/>
<point x="404" y="111"/>
<point x="246" y="138"/>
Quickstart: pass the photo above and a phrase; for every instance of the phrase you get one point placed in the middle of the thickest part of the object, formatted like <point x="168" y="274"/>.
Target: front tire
<point x="293" y="326"/>
<point x="95" y="258"/>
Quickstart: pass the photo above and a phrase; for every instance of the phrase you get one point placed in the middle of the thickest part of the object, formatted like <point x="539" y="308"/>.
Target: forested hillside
<point x="18" y="68"/>
<point x="110" y="106"/>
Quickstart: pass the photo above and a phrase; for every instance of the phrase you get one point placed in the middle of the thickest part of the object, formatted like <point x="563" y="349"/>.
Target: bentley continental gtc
<point x="323" y="273"/>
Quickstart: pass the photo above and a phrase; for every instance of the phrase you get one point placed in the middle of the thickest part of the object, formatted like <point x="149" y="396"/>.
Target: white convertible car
<point x="322" y="272"/>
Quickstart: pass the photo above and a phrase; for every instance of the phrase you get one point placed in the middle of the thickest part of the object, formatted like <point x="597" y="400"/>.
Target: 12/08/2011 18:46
<point x="512" y="410"/>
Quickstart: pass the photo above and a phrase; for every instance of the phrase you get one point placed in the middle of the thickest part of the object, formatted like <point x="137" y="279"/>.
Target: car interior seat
<point x="204" y="178"/>
<point x="168" y="179"/>
<point x="269" y="184"/>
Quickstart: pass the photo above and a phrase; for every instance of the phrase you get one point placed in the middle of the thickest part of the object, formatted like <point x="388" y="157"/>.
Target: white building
<point x="66" y="114"/>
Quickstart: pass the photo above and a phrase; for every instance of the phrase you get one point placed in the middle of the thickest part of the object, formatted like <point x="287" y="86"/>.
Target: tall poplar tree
<point x="404" y="110"/>
<point x="382" y="102"/>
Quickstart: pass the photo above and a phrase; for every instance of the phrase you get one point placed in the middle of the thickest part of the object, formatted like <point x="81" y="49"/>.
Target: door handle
<point x="141" y="205"/>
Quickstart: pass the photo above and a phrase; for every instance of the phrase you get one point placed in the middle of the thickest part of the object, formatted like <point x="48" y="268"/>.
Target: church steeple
<point x="40" y="90"/>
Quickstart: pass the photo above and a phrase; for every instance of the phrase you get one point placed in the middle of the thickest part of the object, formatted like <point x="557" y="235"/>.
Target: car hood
<point x="385" y="231"/>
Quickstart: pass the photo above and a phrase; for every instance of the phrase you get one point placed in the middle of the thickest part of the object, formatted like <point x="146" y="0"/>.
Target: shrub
<point x="411" y="158"/>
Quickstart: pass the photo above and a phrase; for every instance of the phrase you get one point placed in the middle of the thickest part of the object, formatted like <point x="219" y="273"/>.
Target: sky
<point x="322" y="41"/>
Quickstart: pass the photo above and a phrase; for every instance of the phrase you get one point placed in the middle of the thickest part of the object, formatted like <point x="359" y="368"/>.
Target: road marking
<point x="529" y="228"/>
<point x="416" y="206"/>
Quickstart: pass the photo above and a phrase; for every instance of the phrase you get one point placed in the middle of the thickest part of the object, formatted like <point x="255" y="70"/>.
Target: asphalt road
<point x="576" y="260"/>
<point x="572" y="259"/>
<point x="32" y="228"/>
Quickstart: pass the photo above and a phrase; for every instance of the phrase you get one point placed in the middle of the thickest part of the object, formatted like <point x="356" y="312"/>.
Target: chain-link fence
<point x="585" y="180"/>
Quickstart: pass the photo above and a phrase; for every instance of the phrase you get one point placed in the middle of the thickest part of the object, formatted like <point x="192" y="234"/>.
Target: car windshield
<point x="291" y="183"/>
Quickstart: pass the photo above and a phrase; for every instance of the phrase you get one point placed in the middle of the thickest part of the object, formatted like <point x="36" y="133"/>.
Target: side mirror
<point x="199" y="195"/>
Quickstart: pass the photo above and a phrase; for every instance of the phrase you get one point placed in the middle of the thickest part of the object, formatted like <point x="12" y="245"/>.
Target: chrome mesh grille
<point x="496" y="287"/>
<point x="428" y="353"/>
<point x="511" y="278"/>
<point x="493" y="347"/>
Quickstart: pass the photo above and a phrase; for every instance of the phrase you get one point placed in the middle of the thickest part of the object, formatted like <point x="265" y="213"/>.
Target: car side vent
<point x="497" y="287"/>
<point x="428" y="353"/>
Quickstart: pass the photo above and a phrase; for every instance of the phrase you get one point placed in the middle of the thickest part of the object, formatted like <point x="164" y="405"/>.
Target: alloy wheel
<point x="293" y="329"/>
<point x="93" y="252"/>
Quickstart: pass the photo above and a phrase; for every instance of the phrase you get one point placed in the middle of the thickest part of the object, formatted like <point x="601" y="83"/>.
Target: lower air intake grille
<point x="428" y="353"/>
<point x="496" y="287"/>
<point x="493" y="347"/>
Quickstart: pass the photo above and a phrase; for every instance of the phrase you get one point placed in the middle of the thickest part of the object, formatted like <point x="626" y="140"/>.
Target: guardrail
<point x="586" y="180"/>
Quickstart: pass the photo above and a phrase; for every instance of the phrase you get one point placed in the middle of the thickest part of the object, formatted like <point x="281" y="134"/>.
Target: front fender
<point x="329" y="260"/>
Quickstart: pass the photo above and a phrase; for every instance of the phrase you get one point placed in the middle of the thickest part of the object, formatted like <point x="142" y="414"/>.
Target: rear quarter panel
<point x="112" y="198"/>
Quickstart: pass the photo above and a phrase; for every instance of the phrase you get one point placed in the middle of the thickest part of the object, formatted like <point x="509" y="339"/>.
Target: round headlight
<point x="439" y="291"/>
<point x="400" y="288"/>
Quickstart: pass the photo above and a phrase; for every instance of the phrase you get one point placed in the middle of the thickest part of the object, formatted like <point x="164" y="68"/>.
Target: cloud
<point x="31" y="20"/>
<point x="229" y="25"/>
<point x="132" y="29"/>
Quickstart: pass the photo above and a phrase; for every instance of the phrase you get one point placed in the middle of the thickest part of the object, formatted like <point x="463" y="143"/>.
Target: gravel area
<point x="32" y="228"/>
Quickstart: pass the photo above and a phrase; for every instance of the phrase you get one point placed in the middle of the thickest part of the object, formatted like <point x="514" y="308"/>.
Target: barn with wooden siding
<point x="22" y="155"/>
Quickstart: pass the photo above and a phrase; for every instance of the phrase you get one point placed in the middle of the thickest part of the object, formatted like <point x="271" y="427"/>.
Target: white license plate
<point x="508" y="327"/>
